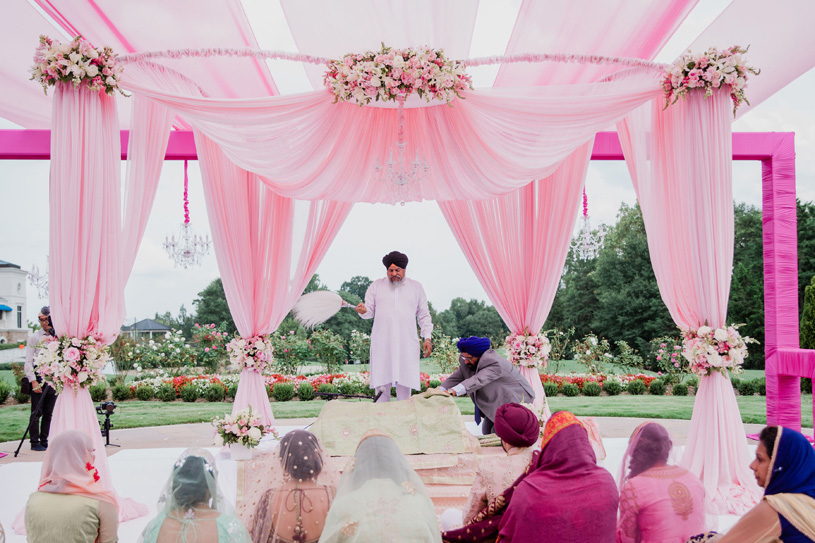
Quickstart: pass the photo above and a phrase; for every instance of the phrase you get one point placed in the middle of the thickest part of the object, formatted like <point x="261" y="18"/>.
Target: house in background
<point x="13" y="323"/>
<point x="145" y="329"/>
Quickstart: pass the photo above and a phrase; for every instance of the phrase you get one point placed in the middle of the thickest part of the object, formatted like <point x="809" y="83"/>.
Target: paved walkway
<point x="200" y="434"/>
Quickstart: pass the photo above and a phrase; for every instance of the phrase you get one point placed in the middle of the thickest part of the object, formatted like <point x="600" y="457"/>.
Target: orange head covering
<point x="555" y="424"/>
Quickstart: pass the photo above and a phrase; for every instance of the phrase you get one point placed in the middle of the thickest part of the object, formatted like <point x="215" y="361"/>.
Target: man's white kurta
<point x="395" y="347"/>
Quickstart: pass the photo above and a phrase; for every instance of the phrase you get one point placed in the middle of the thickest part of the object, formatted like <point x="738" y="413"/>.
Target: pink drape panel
<point x="493" y="142"/>
<point x="685" y="190"/>
<point x="267" y="247"/>
<point x="517" y="244"/>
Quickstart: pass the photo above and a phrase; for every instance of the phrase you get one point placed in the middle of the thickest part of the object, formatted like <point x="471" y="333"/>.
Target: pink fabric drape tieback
<point x="585" y="203"/>
<point x="186" y="195"/>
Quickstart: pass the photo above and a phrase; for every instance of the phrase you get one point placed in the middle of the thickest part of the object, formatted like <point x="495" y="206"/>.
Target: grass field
<point x="135" y="414"/>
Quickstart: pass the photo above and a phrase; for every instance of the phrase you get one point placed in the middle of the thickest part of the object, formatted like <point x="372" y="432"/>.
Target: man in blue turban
<point x="488" y="378"/>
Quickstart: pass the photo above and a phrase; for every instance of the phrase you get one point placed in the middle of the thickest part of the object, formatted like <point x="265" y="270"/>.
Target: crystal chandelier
<point x="401" y="176"/>
<point x="589" y="243"/>
<point x="189" y="248"/>
<point x="39" y="281"/>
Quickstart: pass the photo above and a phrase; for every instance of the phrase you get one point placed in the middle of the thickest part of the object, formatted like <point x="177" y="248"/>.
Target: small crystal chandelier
<point x="589" y="243"/>
<point x="402" y="176"/>
<point x="39" y="281"/>
<point x="189" y="248"/>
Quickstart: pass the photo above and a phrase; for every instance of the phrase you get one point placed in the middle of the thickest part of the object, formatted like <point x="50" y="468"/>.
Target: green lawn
<point x="8" y="376"/>
<point x="135" y="414"/>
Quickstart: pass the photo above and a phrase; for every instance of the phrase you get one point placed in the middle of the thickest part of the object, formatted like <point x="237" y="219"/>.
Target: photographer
<point x="43" y="396"/>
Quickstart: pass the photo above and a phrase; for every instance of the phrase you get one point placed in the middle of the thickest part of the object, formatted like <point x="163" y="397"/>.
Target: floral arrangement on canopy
<point x="244" y="428"/>
<point x="720" y="349"/>
<point x="77" y="62"/>
<point x="528" y="350"/>
<point x="72" y="362"/>
<point x="253" y="353"/>
<point x="395" y="74"/>
<point x="710" y="70"/>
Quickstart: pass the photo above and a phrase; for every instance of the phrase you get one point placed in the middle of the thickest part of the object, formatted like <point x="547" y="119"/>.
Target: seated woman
<point x="380" y="498"/>
<point x="289" y="491"/>
<point x="785" y="467"/>
<point x="563" y="496"/>
<point x="71" y="504"/>
<point x="191" y="507"/>
<point x="658" y="502"/>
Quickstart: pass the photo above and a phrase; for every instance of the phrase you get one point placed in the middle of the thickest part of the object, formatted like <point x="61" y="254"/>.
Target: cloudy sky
<point x="370" y="231"/>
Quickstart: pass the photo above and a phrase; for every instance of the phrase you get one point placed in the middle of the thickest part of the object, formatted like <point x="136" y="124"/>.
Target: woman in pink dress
<point x="659" y="502"/>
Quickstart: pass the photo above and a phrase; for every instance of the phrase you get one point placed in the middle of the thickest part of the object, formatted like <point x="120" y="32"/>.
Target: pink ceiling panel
<point x="620" y="28"/>
<point x="360" y="25"/>
<point x="150" y="25"/>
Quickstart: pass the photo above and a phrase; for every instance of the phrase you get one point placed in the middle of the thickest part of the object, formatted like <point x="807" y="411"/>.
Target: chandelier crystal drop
<point x="589" y="243"/>
<point x="190" y="248"/>
<point x="39" y="281"/>
<point x="400" y="175"/>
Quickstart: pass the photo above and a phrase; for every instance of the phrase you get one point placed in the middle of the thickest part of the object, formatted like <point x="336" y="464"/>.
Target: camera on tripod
<point x="106" y="408"/>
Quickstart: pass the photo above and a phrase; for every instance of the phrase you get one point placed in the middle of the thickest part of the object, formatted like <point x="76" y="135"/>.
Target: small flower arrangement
<point x="72" y="362"/>
<point x="528" y="350"/>
<point x="77" y="62"/>
<point x="712" y="69"/>
<point x="244" y="428"/>
<point x="395" y="74"/>
<point x="253" y="353"/>
<point x="720" y="349"/>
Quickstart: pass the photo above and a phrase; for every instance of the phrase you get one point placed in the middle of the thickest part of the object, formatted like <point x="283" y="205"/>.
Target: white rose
<point x="82" y="376"/>
<point x="255" y="434"/>
<point x="704" y="330"/>
<point x="375" y="82"/>
<point x="218" y="441"/>
<point x="720" y="334"/>
<point x="110" y="81"/>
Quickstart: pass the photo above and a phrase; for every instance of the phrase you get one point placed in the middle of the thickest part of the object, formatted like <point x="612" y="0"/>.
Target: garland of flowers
<point x="254" y="353"/>
<point x="72" y="362"/>
<point x="77" y="62"/>
<point x="244" y="428"/>
<point x="720" y="349"/>
<point x="710" y="70"/>
<point x="528" y="350"/>
<point x="395" y="74"/>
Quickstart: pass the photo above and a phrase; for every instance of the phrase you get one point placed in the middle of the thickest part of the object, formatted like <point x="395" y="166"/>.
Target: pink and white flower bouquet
<point x="253" y="353"/>
<point x="244" y="428"/>
<point x="528" y="350"/>
<point x="711" y="70"/>
<point x="395" y="74"/>
<point x="720" y="349"/>
<point x="72" y="362"/>
<point x="77" y="62"/>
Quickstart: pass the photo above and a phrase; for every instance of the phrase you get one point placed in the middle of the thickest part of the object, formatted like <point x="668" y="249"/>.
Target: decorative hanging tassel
<point x="317" y="307"/>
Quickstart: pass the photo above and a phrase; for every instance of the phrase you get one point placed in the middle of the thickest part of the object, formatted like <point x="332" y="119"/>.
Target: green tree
<point x="211" y="306"/>
<point x="183" y="322"/>
<point x="576" y="300"/>
<point x="347" y="319"/>
<point x="806" y="248"/>
<point x="357" y="286"/>
<point x="485" y="322"/>
<point x="808" y="318"/>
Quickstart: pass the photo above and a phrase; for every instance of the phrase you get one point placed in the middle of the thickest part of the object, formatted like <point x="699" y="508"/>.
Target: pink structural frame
<point x="786" y="362"/>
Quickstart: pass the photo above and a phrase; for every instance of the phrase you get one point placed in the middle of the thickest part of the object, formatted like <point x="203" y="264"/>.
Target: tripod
<point x="106" y="408"/>
<point x="35" y="415"/>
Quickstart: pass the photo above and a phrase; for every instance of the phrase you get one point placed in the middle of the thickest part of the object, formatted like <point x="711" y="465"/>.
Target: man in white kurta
<point x="395" y="303"/>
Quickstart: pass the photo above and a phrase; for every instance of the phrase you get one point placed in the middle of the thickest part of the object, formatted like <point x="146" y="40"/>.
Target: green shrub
<point x="693" y="381"/>
<point x="144" y="393"/>
<point x="5" y="390"/>
<point x="435" y="383"/>
<point x="99" y="392"/>
<point x="20" y="397"/>
<point x="551" y="389"/>
<point x="305" y="392"/>
<point x="283" y="392"/>
<point x="657" y="388"/>
<point x="760" y="384"/>
<point x="806" y="385"/>
<point x="680" y="389"/>
<point x="120" y="393"/>
<point x="327" y="388"/>
<point x="329" y="349"/>
<point x="746" y="388"/>
<point x="232" y="391"/>
<point x="166" y="393"/>
<point x="612" y="388"/>
<point x="215" y="393"/>
<point x="591" y="389"/>
<point x="189" y="392"/>
<point x="570" y="389"/>
<point x="636" y="388"/>
<point x="735" y="382"/>
<point x="347" y="388"/>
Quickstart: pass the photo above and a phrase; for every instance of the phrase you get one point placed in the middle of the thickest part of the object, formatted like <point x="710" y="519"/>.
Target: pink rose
<point x="71" y="354"/>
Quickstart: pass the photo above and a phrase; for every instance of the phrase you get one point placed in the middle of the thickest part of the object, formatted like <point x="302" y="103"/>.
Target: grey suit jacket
<point x="491" y="384"/>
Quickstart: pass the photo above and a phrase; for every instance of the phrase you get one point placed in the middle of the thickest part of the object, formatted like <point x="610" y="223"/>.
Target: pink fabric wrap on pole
<point x="685" y="190"/>
<point x="517" y="244"/>
<point x="267" y="247"/>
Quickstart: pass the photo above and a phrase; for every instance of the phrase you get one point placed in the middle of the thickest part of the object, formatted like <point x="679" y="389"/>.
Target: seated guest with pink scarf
<point x="562" y="497"/>
<point x="71" y="505"/>
<point x="659" y="503"/>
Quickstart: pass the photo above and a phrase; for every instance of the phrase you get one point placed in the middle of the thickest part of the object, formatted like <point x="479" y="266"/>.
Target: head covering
<point x="517" y="425"/>
<point x="379" y="497"/>
<point x="556" y="423"/>
<point x="650" y="444"/>
<point x="792" y="465"/>
<point x="68" y="468"/>
<point x="289" y="491"/>
<point x="473" y="345"/>
<point x="395" y="257"/>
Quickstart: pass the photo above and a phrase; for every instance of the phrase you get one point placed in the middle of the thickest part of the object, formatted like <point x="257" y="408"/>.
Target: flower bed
<point x="580" y="379"/>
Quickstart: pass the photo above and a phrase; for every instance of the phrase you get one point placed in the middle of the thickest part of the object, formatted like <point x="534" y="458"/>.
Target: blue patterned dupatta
<point x="791" y="486"/>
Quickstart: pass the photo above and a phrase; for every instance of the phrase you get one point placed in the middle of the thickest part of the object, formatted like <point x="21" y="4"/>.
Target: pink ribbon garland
<point x="186" y="199"/>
